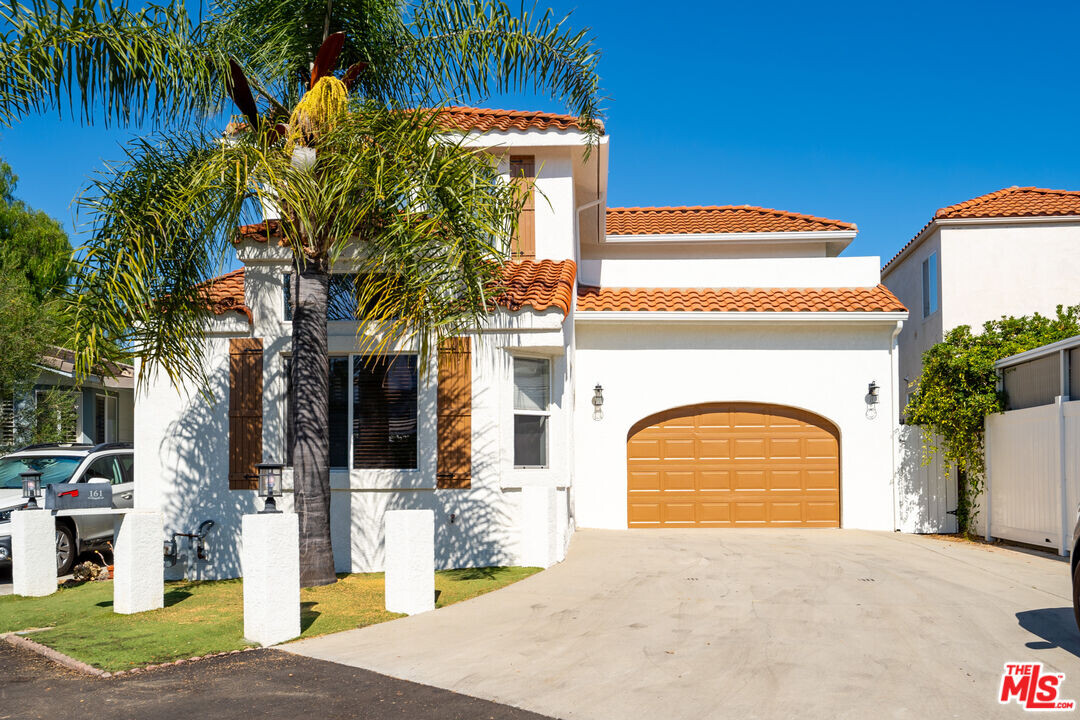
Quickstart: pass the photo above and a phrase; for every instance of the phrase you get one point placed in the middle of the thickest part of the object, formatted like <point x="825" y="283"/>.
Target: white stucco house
<point x="693" y="367"/>
<point x="1011" y="252"/>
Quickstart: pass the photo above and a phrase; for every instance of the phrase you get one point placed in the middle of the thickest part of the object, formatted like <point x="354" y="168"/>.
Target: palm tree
<point x="357" y="173"/>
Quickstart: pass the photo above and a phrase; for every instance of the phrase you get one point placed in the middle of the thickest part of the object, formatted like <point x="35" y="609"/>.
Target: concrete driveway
<point x="743" y="623"/>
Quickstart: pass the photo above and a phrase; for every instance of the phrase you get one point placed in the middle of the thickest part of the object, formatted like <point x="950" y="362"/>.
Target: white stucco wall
<point x="1008" y="269"/>
<point x="919" y="333"/>
<point x="182" y="438"/>
<point x="821" y="367"/>
<point x="732" y="272"/>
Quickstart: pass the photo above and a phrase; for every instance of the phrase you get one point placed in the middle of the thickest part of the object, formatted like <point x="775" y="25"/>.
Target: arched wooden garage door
<point x="733" y="465"/>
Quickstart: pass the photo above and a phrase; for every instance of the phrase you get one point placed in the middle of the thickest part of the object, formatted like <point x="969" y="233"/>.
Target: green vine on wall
<point x="957" y="389"/>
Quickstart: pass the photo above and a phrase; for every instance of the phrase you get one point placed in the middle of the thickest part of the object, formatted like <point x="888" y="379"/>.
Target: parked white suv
<point x="66" y="463"/>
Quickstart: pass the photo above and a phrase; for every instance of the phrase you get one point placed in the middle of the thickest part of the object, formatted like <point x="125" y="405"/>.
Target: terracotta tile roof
<point x="259" y="232"/>
<point x="864" y="299"/>
<point x="225" y="293"/>
<point x="1016" y="202"/>
<point x="484" y="120"/>
<point x="538" y="284"/>
<point x="1013" y="201"/>
<point x="714" y="219"/>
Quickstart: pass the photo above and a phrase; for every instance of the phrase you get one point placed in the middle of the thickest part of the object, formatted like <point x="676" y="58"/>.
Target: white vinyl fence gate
<point x="1033" y="450"/>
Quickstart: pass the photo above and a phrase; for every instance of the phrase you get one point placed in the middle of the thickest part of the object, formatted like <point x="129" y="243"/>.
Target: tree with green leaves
<point x="957" y="388"/>
<point x="35" y="260"/>
<point x="341" y="135"/>
<point x="32" y="244"/>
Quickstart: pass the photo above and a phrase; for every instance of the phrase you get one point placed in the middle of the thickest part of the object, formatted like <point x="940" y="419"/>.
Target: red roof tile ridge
<point x="570" y="121"/>
<point x="841" y="224"/>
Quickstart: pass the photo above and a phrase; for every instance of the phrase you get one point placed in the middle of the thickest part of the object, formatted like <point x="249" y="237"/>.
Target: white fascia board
<point x="770" y="238"/>
<point x="526" y="138"/>
<point x="938" y="223"/>
<point x="708" y="318"/>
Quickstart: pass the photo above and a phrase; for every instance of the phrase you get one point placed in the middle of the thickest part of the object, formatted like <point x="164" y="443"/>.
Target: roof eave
<point x="832" y="236"/>
<point x="710" y="317"/>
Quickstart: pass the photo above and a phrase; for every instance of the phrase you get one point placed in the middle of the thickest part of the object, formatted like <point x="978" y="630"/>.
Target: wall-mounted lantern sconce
<point x="31" y="488"/>
<point x="598" y="402"/>
<point x="872" y="393"/>
<point x="270" y="484"/>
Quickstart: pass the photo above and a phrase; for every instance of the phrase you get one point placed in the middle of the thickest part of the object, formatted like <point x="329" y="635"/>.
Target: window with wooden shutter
<point x="523" y="173"/>
<point x="384" y="412"/>
<point x="454" y="467"/>
<point x="245" y="412"/>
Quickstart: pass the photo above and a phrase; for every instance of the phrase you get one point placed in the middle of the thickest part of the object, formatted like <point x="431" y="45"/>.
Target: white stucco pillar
<point x="410" y="561"/>
<point x="539" y="527"/>
<point x="139" y="572"/>
<point x="270" y="562"/>
<point x="33" y="553"/>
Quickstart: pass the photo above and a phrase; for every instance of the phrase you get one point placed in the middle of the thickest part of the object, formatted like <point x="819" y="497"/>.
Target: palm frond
<point x="106" y="60"/>
<point x="462" y="49"/>
<point x="162" y="226"/>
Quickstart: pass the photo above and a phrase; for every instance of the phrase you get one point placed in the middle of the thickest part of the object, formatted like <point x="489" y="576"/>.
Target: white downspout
<point x="894" y="402"/>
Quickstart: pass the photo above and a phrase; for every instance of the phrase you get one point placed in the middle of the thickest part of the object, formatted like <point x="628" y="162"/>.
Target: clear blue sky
<point x="874" y="113"/>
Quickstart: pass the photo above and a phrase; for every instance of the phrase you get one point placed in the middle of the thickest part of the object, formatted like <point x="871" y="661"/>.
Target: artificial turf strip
<point x="200" y="618"/>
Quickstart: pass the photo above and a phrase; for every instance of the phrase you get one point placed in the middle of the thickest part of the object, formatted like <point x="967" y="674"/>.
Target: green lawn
<point x="207" y="617"/>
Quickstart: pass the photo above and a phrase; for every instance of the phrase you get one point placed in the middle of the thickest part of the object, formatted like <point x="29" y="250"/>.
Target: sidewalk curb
<point x="79" y="666"/>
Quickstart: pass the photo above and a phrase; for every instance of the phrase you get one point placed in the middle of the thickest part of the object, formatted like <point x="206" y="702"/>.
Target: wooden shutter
<point x="523" y="172"/>
<point x="455" y="414"/>
<point x="245" y="412"/>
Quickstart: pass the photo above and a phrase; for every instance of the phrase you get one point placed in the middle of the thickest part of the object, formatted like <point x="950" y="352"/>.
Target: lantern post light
<point x="270" y="484"/>
<point x="872" y="392"/>
<point x="31" y="488"/>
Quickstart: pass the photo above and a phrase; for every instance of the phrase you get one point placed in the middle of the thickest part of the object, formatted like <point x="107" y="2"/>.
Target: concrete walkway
<point x="743" y="624"/>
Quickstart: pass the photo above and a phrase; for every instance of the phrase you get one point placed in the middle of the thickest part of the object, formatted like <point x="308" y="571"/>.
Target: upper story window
<point x="382" y="393"/>
<point x="532" y="411"/>
<point x="930" y="285"/>
<point x="523" y="173"/>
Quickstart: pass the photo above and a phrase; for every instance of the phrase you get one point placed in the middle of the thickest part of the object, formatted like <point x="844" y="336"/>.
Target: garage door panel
<point x="676" y="512"/>
<point x="750" y="512"/>
<point x="679" y="480"/>
<point x="786" y="480"/>
<point x="644" y="513"/>
<point x="786" y="512"/>
<point x="749" y="448"/>
<point x="713" y="449"/>
<point x="714" y="512"/>
<point x="734" y="466"/>
<point x="785" y="448"/>
<point x="750" y="479"/>
<point x="822" y="512"/>
<point x="678" y="449"/>
<point x="714" y="480"/>
<point x="643" y="449"/>
<point x="643" y="481"/>
<point x="820" y="448"/>
<point x="827" y="479"/>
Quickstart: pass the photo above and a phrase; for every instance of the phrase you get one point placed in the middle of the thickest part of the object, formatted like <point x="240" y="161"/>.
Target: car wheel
<point x="1076" y="594"/>
<point x="65" y="549"/>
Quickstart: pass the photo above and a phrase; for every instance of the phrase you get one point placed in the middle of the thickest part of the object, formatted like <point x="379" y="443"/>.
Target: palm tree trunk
<point x="311" y="440"/>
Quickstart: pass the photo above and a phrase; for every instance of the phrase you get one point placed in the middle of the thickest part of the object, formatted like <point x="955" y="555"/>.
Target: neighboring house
<point x="1011" y="252"/>
<point x="104" y="404"/>
<point x="646" y="367"/>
